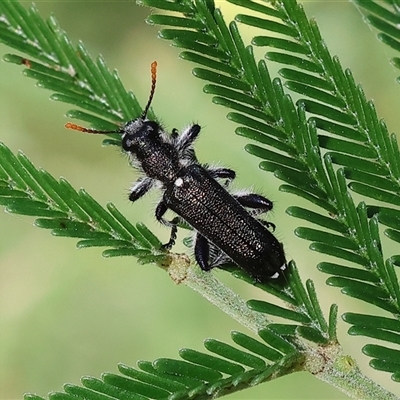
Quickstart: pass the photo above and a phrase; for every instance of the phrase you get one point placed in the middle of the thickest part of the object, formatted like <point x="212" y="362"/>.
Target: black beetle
<point x="227" y="226"/>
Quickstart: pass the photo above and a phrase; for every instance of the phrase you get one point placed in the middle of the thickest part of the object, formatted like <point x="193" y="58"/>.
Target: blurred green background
<point x="65" y="313"/>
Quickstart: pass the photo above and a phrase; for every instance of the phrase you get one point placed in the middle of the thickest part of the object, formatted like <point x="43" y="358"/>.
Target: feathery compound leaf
<point x="198" y="375"/>
<point x="29" y="191"/>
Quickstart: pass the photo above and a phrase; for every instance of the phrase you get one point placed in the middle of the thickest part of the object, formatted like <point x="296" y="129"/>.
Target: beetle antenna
<point x="152" y="90"/>
<point x="75" y="127"/>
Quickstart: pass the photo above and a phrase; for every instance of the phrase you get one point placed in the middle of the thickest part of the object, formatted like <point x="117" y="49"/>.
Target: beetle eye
<point x="128" y="143"/>
<point x="152" y="126"/>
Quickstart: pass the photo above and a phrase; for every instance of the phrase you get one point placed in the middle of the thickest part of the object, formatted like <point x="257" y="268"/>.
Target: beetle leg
<point x="202" y="252"/>
<point x="175" y="133"/>
<point x="141" y="187"/>
<point x="268" y="224"/>
<point x="187" y="137"/>
<point x="222" y="173"/>
<point x="160" y="211"/>
<point x="258" y="204"/>
<point x="184" y="143"/>
<point x="217" y="257"/>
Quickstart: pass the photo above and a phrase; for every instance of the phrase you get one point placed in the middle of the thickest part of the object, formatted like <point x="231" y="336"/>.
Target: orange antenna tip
<point x="75" y="127"/>
<point x="153" y="69"/>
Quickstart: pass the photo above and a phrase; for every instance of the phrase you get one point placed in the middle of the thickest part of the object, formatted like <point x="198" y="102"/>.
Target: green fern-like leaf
<point x="30" y="191"/>
<point x="332" y="118"/>
<point x="196" y="375"/>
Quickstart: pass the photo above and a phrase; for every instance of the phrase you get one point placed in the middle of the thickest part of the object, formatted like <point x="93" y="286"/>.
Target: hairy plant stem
<point x="325" y="362"/>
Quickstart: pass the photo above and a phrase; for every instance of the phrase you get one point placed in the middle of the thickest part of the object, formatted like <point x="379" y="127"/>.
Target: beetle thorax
<point x="158" y="158"/>
<point x="160" y="162"/>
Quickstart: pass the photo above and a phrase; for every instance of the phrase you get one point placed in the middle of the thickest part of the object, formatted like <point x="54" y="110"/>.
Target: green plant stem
<point x="327" y="363"/>
<point x="183" y="271"/>
<point x="344" y="374"/>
